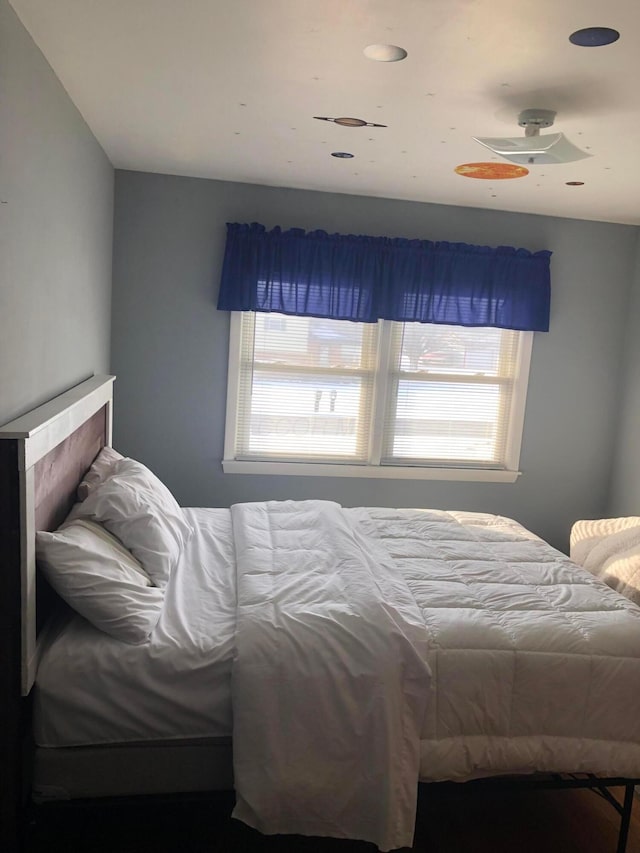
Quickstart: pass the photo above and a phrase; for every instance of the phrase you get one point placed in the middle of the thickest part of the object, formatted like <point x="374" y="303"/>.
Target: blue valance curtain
<point x="360" y="278"/>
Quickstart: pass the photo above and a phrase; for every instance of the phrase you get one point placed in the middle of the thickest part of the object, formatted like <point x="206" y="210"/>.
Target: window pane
<point x="308" y="415"/>
<point x="307" y="341"/>
<point x="436" y="420"/>
<point x="441" y="349"/>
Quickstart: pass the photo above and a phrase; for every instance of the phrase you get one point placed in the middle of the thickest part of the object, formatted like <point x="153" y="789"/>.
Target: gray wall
<point x="625" y="481"/>
<point x="56" y="225"/>
<point x="170" y="345"/>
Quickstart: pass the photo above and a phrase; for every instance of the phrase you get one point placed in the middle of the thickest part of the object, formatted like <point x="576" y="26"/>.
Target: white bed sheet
<point x="93" y="689"/>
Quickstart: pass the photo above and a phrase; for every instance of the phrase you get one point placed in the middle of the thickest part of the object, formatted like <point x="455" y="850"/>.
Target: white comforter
<point x="330" y="679"/>
<point x="535" y="664"/>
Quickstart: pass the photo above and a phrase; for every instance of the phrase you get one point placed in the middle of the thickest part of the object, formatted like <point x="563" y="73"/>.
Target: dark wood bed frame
<point x="43" y="457"/>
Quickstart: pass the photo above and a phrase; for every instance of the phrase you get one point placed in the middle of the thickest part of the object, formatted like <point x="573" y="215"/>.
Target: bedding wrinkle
<point x="337" y="690"/>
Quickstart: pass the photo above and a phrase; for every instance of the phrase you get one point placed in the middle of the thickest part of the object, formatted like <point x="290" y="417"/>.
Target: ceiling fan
<point x="534" y="148"/>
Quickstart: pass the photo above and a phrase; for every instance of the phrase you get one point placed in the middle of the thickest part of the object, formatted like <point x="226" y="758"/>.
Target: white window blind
<point x="450" y="395"/>
<point x="305" y="388"/>
<point x="386" y="397"/>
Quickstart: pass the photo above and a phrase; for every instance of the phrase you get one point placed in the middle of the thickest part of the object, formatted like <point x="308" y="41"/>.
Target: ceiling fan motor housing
<point x="533" y="120"/>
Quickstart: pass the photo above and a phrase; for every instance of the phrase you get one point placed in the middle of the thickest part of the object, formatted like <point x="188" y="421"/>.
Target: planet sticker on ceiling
<point x="491" y="171"/>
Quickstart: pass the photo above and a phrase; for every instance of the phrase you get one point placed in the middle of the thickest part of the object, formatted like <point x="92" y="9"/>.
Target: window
<point x="333" y="397"/>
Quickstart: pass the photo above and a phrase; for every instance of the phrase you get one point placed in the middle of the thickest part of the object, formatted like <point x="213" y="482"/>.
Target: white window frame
<point x="372" y="469"/>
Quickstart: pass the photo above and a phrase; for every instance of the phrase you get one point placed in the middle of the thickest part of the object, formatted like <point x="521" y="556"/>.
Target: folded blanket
<point x="329" y="684"/>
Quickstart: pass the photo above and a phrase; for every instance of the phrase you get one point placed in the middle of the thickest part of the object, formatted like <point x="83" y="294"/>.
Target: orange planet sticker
<point x="491" y="171"/>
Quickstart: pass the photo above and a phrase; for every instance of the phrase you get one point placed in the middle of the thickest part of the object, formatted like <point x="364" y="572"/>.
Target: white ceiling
<point x="228" y="89"/>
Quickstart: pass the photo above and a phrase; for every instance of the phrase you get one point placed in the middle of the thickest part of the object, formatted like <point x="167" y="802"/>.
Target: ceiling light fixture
<point x="385" y="52"/>
<point x="532" y="148"/>
<point x="342" y="155"/>
<point x="350" y="122"/>
<point x="594" y="37"/>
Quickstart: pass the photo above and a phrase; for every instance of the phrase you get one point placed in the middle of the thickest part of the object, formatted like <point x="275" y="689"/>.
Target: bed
<point x="482" y="653"/>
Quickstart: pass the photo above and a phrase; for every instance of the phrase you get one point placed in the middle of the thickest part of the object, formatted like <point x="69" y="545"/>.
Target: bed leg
<point x="625" y="818"/>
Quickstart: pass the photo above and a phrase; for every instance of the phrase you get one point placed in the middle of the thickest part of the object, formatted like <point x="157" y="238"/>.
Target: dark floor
<point x="449" y="821"/>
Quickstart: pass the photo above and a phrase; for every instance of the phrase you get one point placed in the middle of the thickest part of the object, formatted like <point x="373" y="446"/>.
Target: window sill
<point x="387" y="472"/>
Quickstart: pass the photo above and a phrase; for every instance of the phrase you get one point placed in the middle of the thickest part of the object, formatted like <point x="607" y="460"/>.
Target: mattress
<point x="92" y="689"/>
<point x="536" y="664"/>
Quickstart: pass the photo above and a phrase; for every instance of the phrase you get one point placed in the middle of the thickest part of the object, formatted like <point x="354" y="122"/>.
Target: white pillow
<point x="134" y="505"/>
<point x="101" y="468"/>
<point x="100" y="579"/>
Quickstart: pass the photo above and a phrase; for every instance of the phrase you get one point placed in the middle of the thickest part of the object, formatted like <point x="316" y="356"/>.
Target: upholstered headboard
<point x="43" y="456"/>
